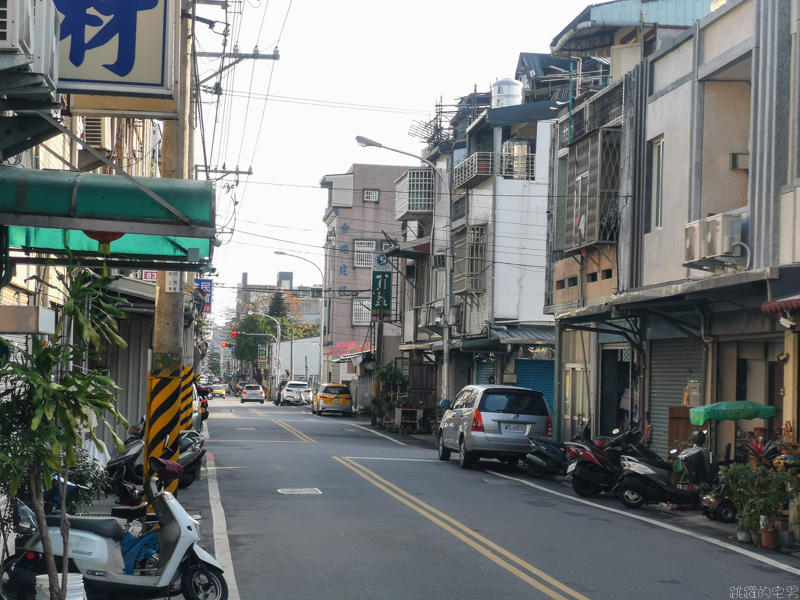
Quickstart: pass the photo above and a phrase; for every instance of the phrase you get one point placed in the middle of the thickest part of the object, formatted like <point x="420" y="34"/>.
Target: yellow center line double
<point x="462" y="532"/>
<point x="259" y="413"/>
<point x="294" y="431"/>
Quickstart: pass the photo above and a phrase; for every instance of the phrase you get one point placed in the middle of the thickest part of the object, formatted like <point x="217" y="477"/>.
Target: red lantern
<point x="105" y="238"/>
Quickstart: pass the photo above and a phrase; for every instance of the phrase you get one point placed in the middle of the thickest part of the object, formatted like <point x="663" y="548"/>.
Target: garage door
<point x="485" y="370"/>
<point x="537" y="375"/>
<point x="672" y="364"/>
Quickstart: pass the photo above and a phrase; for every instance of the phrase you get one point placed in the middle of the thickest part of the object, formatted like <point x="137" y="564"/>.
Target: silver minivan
<point x="490" y="421"/>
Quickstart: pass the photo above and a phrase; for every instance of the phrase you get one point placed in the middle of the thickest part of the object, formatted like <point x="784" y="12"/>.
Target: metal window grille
<point x="362" y="256"/>
<point x="362" y="311"/>
<point x="370" y="195"/>
<point x="470" y="260"/>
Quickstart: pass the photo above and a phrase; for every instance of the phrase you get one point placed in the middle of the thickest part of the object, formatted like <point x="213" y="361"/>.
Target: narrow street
<point x="386" y="519"/>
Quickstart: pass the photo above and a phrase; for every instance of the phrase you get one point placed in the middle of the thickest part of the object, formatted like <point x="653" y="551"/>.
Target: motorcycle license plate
<point x="571" y="468"/>
<point x="514" y="428"/>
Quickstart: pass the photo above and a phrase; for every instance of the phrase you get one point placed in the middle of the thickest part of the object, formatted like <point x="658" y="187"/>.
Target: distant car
<point x="333" y="397"/>
<point x="218" y="390"/>
<point x="281" y="385"/>
<point x="295" y="392"/>
<point x="490" y="421"/>
<point x="252" y="393"/>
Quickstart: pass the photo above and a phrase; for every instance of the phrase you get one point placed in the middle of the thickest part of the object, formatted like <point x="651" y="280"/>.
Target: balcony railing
<point x="479" y="166"/>
<point x="601" y="110"/>
<point x="414" y="192"/>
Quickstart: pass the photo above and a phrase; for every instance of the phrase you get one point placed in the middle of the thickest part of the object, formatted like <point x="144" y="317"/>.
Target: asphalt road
<point x="387" y="520"/>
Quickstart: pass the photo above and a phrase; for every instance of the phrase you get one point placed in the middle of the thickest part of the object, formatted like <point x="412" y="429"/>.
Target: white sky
<point x="402" y="56"/>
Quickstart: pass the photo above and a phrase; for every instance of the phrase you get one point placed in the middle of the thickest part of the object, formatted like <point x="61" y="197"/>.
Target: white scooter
<point x="160" y="562"/>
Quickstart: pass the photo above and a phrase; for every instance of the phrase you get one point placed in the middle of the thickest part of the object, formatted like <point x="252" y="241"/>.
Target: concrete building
<point x="360" y="220"/>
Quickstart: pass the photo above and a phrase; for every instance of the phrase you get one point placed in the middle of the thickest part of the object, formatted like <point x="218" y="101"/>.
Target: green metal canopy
<point x="168" y="225"/>
<point x="731" y="411"/>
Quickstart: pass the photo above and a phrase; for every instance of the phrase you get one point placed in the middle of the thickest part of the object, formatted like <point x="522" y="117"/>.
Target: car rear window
<point x="297" y="386"/>
<point x="252" y="387"/>
<point x="336" y="390"/>
<point x="514" y="403"/>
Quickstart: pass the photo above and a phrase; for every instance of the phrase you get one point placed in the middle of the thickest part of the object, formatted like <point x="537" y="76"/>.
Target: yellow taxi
<point x="333" y="397"/>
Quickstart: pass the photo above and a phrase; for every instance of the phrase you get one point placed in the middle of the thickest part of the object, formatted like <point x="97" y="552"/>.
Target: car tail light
<point x="261" y="392"/>
<point x="548" y="427"/>
<point x="477" y="421"/>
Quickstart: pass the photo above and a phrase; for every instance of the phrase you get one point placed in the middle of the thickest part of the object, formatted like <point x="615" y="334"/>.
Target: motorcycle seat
<point x="104" y="526"/>
<point x="129" y="513"/>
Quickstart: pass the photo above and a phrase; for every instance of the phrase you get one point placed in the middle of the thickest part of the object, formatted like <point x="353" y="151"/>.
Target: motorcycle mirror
<point x="615" y="431"/>
<point x="673" y="451"/>
<point x="445" y="404"/>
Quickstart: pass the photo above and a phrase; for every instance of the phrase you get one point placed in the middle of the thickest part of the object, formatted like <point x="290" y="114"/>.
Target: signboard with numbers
<point x="207" y="286"/>
<point x="113" y="47"/>
<point x="262" y="357"/>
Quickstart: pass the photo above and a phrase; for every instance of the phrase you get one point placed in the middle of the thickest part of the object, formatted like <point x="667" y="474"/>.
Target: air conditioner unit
<point x="97" y="132"/>
<point x="694" y="235"/>
<point x="434" y="314"/>
<point x="722" y="231"/>
<point x="46" y="32"/>
<point x="16" y="27"/>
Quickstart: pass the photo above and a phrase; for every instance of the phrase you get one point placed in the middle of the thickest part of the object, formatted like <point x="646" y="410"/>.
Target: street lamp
<point x="367" y="143"/>
<point x="252" y="312"/>
<point x="321" y="306"/>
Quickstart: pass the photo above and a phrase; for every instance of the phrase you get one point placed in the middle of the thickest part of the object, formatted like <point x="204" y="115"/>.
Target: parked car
<point x="252" y="393"/>
<point x="333" y="397"/>
<point x="295" y="392"/>
<point x="281" y="385"/>
<point x="490" y="421"/>
<point x="218" y="390"/>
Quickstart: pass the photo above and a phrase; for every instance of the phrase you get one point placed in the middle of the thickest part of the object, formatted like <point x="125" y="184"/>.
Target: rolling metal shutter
<point x="672" y="364"/>
<point x="537" y="375"/>
<point x="485" y="370"/>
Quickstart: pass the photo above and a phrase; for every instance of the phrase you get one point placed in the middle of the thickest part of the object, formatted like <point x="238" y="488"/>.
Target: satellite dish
<point x="717" y="4"/>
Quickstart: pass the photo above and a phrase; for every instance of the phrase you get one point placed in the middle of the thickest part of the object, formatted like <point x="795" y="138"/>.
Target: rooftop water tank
<point x="507" y="92"/>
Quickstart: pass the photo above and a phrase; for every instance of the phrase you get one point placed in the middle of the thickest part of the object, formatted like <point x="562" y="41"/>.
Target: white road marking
<point x="261" y="442"/>
<point x="400" y="459"/>
<point x="301" y="491"/>
<point x="699" y="536"/>
<point x="380" y="434"/>
<point x="206" y="434"/>
<point x="222" y="550"/>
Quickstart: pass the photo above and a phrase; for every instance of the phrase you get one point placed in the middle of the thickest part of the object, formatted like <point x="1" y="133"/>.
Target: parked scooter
<point x="116" y="563"/>
<point x="703" y="473"/>
<point x="642" y="483"/>
<point x="597" y="469"/>
<point x="546" y="457"/>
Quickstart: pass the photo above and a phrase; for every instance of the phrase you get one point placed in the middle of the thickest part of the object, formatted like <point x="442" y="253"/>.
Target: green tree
<point x="277" y="305"/>
<point x="44" y="402"/>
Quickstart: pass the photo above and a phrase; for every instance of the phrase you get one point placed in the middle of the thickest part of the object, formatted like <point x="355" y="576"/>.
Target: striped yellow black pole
<point x="187" y="376"/>
<point x="163" y="404"/>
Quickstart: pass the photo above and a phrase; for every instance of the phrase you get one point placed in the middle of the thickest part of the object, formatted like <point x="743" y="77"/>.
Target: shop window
<point x="591" y="277"/>
<point x="561" y="284"/>
<point x="572" y="282"/>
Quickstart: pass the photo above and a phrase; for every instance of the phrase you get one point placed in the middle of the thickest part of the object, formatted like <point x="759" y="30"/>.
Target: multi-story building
<point x="308" y="296"/>
<point x="685" y="200"/>
<point x="360" y="220"/>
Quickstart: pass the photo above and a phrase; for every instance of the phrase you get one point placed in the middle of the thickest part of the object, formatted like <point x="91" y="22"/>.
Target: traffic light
<point x="224" y="344"/>
<point x="234" y="334"/>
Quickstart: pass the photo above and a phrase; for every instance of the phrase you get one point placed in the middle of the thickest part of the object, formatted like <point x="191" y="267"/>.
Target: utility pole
<point x="379" y="342"/>
<point x="291" y="356"/>
<point x="164" y="381"/>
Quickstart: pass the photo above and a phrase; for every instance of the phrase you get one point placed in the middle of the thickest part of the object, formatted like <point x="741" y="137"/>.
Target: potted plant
<point x="738" y="482"/>
<point x="772" y="490"/>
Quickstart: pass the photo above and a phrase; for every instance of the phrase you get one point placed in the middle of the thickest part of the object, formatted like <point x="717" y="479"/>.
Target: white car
<point x="252" y="393"/>
<point x="295" y="392"/>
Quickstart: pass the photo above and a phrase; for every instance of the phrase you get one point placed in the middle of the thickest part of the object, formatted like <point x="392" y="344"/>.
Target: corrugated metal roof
<point x="663" y="12"/>
<point x="523" y="332"/>
<point x="617" y="13"/>
<point x="535" y="63"/>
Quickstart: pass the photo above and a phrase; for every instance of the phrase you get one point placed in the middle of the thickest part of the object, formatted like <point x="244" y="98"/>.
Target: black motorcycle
<point x="546" y="457"/>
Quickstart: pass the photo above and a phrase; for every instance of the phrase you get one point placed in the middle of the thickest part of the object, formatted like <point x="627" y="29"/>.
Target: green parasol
<point x="731" y="411"/>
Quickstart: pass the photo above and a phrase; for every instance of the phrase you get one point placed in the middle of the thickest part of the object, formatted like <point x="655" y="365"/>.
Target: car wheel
<point x="444" y="453"/>
<point x="630" y="497"/>
<point x="242" y="400"/>
<point x="583" y="487"/>
<point x="465" y="459"/>
<point x="726" y="513"/>
<point x="262" y="401"/>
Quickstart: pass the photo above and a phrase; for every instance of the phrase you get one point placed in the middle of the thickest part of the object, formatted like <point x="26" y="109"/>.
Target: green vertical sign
<point x="381" y="289"/>
<point x="262" y="357"/>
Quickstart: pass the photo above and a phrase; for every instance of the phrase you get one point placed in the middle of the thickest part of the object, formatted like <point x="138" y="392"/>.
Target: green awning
<point x="731" y="411"/>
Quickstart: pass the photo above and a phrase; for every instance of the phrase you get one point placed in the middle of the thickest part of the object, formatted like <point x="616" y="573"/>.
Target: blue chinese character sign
<point x="118" y="47"/>
<point x="207" y="286"/>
